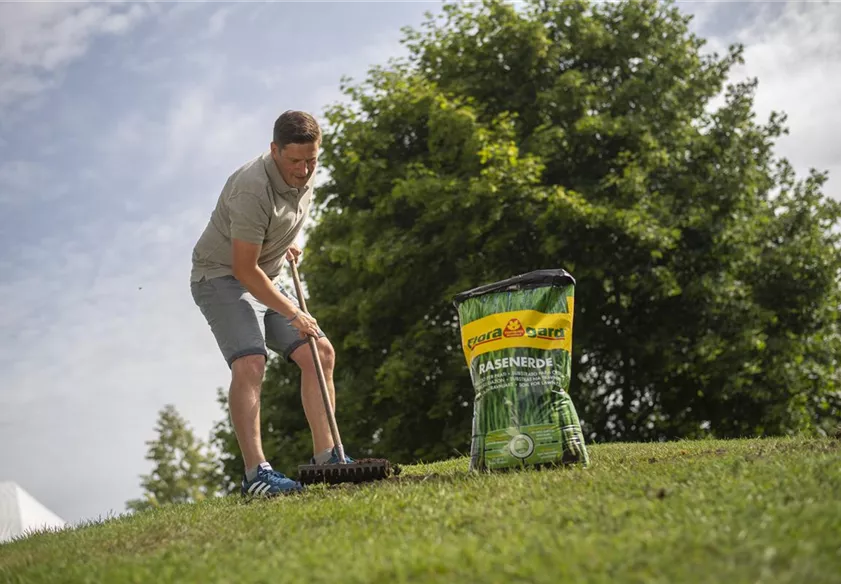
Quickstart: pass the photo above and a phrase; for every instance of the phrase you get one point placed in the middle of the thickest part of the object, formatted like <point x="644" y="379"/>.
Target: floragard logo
<point x="515" y="328"/>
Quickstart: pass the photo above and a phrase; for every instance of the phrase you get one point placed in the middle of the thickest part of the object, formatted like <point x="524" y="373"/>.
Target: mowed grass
<point x="708" y="511"/>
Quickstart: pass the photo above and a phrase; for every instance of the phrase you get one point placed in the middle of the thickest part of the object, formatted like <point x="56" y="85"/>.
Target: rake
<point x="369" y="469"/>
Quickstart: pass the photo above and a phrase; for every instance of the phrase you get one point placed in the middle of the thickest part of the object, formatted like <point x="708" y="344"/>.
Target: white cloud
<point x="39" y="39"/>
<point x="199" y="130"/>
<point x="216" y="24"/>
<point x="797" y="58"/>
<point x="15" y="176"/>
<point x="795" y="54"/>
<point x="22" y="183"/>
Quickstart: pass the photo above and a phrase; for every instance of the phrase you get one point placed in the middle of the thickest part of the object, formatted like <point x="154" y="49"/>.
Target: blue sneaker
<point x="334" y="459"/>
<point x="269" y="483"/>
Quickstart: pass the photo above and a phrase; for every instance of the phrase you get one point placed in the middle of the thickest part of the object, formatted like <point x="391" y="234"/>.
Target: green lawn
<point x="714" y="511"/>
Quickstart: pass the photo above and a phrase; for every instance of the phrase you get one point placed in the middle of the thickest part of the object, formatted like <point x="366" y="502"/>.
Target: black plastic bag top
<point x="535" y="279"/>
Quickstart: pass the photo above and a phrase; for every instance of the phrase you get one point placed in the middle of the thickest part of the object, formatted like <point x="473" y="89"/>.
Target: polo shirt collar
<point x="278" y="184"/>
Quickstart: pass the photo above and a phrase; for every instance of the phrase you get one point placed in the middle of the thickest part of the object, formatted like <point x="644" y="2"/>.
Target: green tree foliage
<point x="594" y="137"/>
<point x="184" y="470"/>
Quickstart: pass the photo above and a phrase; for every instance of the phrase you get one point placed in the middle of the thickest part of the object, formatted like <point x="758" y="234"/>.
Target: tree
<point x="565" y="134"/>
<point x="184" y="470"/>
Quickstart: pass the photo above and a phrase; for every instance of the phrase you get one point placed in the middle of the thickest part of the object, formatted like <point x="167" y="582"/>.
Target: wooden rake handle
<point x="322" y="380"/>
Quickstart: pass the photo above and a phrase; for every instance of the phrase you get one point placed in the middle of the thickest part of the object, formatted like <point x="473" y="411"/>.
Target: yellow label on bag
<point x="518" y="328"/>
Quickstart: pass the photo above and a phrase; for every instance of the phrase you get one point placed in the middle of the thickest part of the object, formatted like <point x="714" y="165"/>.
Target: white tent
<point x="21" y="514"/>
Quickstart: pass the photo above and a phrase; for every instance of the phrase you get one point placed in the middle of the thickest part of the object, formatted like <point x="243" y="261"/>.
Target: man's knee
<point x="326" y="354"/>
<point x="250" y="368"/>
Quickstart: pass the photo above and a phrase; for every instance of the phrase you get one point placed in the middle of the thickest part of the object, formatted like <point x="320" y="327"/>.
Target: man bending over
<point x="236" y="262"/>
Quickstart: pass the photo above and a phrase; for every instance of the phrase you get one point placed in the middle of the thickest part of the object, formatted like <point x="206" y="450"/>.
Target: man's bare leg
<point x="311" y="398"/>
<point x="244" y="403"/>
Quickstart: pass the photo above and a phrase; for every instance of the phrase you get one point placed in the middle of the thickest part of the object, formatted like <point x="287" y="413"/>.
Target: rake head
<point x="360" y="471"/>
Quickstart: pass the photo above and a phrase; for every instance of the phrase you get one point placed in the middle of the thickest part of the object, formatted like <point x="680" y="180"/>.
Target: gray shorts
<point x="242" y="324"/>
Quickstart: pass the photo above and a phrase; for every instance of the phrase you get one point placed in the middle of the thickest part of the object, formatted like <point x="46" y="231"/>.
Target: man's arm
<point x="249" y="221"/>
<point x="255" y="280"/>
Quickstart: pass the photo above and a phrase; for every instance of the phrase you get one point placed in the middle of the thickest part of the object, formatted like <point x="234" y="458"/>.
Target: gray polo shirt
<point x="257" y="206"/>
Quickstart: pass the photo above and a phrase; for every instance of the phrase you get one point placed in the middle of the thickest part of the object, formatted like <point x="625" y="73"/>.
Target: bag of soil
<point x="517" y="340"/>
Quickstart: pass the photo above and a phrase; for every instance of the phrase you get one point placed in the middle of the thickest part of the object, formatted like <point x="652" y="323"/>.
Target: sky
<point x="119" y="124"/>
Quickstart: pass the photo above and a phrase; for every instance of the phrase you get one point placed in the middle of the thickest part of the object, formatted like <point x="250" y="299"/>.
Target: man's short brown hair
<point x="295" y="127"/>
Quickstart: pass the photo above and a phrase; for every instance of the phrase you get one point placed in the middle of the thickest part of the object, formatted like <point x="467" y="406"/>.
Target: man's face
<point x="296" y="162"/>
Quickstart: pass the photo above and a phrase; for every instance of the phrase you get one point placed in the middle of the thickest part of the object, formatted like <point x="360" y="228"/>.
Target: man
<point x="236" y="262"/>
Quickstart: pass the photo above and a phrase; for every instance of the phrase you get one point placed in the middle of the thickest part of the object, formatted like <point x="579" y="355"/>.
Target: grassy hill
<point x="709" y="511"/>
